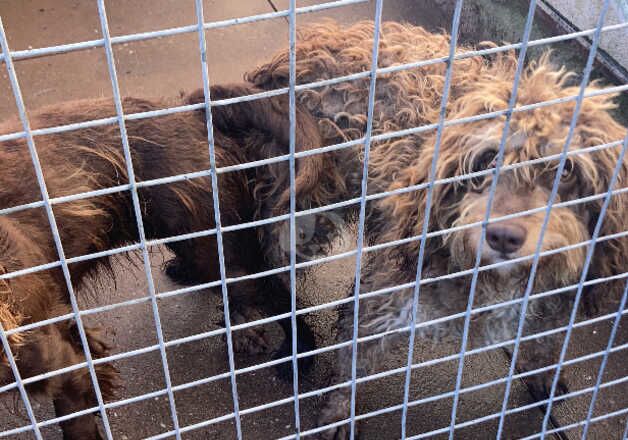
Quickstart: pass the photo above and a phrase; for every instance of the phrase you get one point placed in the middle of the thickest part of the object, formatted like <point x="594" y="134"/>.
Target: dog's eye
<point x="567" y="173"/>
<point x="485" y="160"/>
<point x="482" y="162"/>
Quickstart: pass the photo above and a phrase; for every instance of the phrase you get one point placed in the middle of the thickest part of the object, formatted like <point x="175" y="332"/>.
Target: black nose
<point x="505" y="239"/>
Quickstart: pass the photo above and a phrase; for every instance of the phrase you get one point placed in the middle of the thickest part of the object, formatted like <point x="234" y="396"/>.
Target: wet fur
<point x="411" y="98"/>
<point x="91" y="159"/>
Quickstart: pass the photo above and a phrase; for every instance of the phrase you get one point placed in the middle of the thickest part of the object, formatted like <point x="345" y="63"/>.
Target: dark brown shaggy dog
<point x="91" y="159"/>
<point x="411" y="98"/>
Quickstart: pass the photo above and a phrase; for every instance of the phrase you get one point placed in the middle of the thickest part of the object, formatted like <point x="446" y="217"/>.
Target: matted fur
<point x="9" y="319"/>
<point x="412" y="98"/>
<point x="92" y="159"/>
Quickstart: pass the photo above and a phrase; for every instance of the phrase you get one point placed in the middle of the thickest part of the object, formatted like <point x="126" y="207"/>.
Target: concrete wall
<point x="504" y="21"/>
<point x="584" y="15"/>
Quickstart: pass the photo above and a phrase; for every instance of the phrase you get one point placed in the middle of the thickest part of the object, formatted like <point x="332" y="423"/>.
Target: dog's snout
<point x="505" y="239"/>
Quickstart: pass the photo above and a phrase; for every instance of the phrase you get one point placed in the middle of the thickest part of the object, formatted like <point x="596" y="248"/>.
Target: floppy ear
<point x="270" y="115"/>
<point x="405" y="212"/>
<point x="610" y="257"/>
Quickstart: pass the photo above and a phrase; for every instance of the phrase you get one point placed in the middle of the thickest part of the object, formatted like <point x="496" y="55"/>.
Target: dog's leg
<point x="336" y="404"/>
<point x="248" y="297"/>
<point x="314" y="235"/>
<point x="305" y="343"/>
<point x="195" y="261"/>
<point x="54" y="347"/>
<point x="251" y="300"/>
<point x="245" y="304"/>
<point x="82" y="427"/>
<point x="377" y="314"/>
<point x="538" y="354"/>
<point x="278" y="301"/>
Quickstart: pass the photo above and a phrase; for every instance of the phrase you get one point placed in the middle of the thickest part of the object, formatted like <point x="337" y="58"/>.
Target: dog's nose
<point x="505" y="239"/>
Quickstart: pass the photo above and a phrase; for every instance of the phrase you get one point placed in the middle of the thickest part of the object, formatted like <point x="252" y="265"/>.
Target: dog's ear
<point x="610" y="254"/>
<point x="597" y="127"/>
<point x="405" y="212"/>
<point x="270" y="116"/>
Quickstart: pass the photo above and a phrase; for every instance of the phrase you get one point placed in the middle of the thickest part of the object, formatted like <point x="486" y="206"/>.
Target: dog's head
<point x="531" y="158"/>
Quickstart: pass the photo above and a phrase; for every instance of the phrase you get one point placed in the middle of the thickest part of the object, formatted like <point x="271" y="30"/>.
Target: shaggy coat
<point x="410" y="98"/>
<point x="92" y="159"/>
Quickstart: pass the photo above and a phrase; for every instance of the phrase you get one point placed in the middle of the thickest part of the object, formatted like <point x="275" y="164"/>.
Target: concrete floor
<point x="163" y="68"/>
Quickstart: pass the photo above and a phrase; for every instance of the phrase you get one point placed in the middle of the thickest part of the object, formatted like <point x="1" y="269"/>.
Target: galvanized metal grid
<point x="107" y="42"/>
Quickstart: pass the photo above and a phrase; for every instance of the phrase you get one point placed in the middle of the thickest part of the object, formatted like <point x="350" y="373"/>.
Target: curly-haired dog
<point x="92" y="159"/>
<point x="410" y="98"/>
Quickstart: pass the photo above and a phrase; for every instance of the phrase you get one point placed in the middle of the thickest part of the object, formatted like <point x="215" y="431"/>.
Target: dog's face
<point x="521" y="188"/>
<point x="531" y="158"/>
<point x="530" y="166"/>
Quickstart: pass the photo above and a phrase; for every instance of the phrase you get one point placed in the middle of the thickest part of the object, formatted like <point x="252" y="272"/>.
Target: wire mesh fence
<point x="414" y="324"/>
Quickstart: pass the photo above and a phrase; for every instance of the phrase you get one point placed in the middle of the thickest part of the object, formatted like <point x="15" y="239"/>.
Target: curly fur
<point x="412" y="98"/>
<point x="9" y="318"/>
<point x="92" y="159"/>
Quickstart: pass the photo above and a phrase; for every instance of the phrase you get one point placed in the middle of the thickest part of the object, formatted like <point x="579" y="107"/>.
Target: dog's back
<point x="90" y="159"/>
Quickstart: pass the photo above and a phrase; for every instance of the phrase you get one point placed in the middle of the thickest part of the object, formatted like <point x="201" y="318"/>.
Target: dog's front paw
<point x="540" y="386"/>
<point x="304" y="344"/>
<point x="180" y="272"/>
<point x="336" y="409"/>
<point x="590" y="303"/>
<point x="98" y="345"/>
<point x="341" y="432"/>
<point x="250" y="340"/>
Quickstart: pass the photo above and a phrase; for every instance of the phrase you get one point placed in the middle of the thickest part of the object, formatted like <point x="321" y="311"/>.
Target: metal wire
<point x="217" y="220"/>
<point x="104" y="24"/>
<point x="293" y="235"/>
<point x="598" y="225"/>
<point x="489" y="207"/>
<point x="428" y="207"/>
<point x="363" y="295"/>
<point x="477" y="420"/>
<point x="304" y="212"/>
<point x="600" y="374"/>
<point x="19" y="101"/>
<point x="369" y="378"/>
<point x="379" y="137"/>
<point x="362" y="215"/>
<point x="65" y="48"/>
<point x="559" y="170"/>
<point x="428" y="323"/>
<point x="300" y="87"/>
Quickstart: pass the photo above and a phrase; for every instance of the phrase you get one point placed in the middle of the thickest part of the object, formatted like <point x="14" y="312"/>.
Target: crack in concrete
<point x="272" y="5"/>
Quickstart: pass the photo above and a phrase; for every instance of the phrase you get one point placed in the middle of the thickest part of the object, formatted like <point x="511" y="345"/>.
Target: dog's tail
<point x="316" y="176"/>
